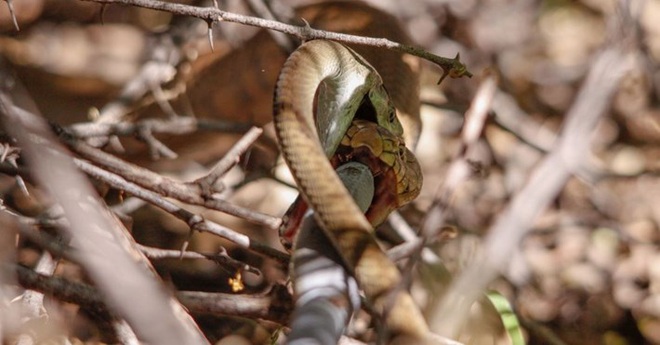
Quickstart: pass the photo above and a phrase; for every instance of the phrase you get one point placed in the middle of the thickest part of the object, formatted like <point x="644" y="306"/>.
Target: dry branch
<point x="187" y="193"/>
<point x="275" y="305"/>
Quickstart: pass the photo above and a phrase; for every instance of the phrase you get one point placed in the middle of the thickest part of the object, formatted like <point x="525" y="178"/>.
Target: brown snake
<point x="321" y="87"/>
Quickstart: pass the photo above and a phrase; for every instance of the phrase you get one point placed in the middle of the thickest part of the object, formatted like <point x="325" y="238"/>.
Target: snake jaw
<point x="385" y="111"/>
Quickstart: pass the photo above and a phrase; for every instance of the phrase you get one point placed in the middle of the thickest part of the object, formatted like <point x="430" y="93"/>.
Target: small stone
<point x="628" y="161"/>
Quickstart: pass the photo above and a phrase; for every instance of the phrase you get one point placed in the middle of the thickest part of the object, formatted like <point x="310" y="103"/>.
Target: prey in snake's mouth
<point x="390" y="161"/>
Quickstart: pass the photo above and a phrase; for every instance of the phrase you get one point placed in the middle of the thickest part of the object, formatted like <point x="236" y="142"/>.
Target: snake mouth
<point x="366" y="110"/>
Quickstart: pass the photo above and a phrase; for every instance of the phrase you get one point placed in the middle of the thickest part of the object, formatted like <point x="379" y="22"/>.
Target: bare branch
<point x="261" y="8"/>
<point x="62" y="289"/>
<point x="274" y="306"/>
<point x="57" y="246"/>
<point x="511" y="118"/>
<point x="156" y="147"/>
<point x="152" y="74"/>
<point x="10" y="154"/>
<point x="412" y="243"/>
<point x="178" y="125"/>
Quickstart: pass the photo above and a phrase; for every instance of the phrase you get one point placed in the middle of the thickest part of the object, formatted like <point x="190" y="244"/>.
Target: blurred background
<point x="587" y="273"/>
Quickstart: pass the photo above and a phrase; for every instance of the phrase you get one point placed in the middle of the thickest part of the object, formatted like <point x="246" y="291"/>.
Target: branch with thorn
<point x="453" y="68"/>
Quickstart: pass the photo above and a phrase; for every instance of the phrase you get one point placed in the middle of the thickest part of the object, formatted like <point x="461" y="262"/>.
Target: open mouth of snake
<point x="366" y="111"/>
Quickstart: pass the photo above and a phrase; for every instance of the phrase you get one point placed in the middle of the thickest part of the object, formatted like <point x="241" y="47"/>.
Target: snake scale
<point x="321" y="87"/>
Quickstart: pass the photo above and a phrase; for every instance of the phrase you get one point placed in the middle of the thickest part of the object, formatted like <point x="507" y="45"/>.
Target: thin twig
<point x="541" y="331"/>
<point x="231" y="158"/>
<point x="459" y="169"/>
<point x="62" y="289"/>
<point x="124" y="333"/>
<point x="412" y="242"/>
<point x="222" y="257"/>
<point x="154" y="72"/>
<point x="53" y="244"/>
<point x="10" y="155"/>
<point x="511" y="118"/>
<point x="275" y="306"/>
<point x="261" y="8"/>
<point x="156" y="147"/>
<point x="13" y="14"/>
<point x="178" y="126"/>
<point x="451" y="67"/>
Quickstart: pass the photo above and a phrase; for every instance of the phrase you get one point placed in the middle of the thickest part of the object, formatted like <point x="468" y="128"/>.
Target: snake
<point x="328" y="97"/>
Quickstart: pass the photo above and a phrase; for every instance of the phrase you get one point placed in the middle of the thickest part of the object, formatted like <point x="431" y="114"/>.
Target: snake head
<point x="385" y="112"/>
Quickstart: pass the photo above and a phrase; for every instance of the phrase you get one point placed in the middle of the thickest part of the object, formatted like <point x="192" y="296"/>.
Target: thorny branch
<point x="156" y="182"/>
<point x="453" y="68"/>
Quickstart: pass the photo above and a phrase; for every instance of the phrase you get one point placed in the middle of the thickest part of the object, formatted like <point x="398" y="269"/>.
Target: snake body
<point x="321" y="87"/>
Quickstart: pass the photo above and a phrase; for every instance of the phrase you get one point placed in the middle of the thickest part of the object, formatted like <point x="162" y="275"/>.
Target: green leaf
<point x="509" y="318"/>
